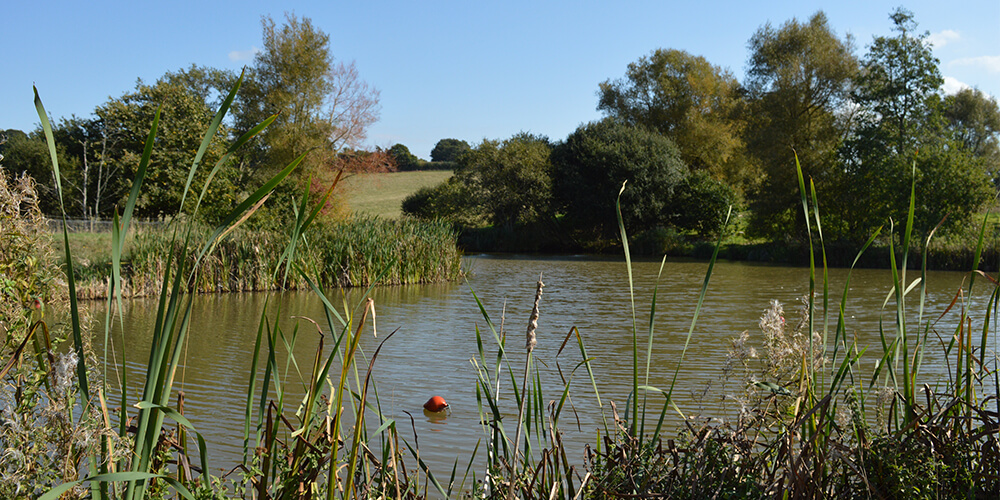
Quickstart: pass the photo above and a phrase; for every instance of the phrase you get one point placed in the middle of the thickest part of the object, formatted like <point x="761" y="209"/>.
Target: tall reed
<point x="344" y="253"/>
<point x="300" y="457"/>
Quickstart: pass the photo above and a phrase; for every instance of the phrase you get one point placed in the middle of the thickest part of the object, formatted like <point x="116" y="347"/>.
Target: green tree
<point x="700" y="204"/>
<point x="449" y="150"/>
<point x="690" y="101"/>
<point x="28" y="153"/>
<point x="452" y="200"/>
<point x="903" y="122"/>
<point x="126" y="121"/>
<point x="973" y="120"/>
<point x="798" y="80"/>
<point x="322" y="105"/>
<point x="897" y="87"/>
<point x="594" y="161"/>
<point x="92" y="184"/>
<point x="510" y="180"/>
<point x="405" y="160"/>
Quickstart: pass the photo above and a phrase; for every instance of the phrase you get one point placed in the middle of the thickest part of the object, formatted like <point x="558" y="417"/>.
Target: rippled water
<point x="436" y="339"/>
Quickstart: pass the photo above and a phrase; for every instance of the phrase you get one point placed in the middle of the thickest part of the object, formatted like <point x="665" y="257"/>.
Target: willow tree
<point x="689" y="100"/>
<point x="798" y="80"/>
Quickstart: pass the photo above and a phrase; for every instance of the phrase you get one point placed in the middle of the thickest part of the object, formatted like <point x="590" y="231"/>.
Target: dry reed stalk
<point x="530" y="341"/>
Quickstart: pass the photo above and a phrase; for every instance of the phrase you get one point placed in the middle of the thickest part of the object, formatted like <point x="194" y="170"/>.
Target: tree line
<point x="692" y="140"/>
<point x="320" y="106"/>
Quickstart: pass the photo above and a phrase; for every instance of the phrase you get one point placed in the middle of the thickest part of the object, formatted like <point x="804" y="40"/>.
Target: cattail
<point x="529" y="346"/>
<point x="531" y="340"/>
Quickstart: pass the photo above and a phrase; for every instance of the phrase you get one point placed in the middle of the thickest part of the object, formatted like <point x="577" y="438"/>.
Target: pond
<point x="436" y="339"/>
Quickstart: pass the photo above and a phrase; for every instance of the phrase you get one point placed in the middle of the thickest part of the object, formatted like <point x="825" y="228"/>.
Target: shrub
<point x="597" y="158"/>
<point x="700" y="204"/>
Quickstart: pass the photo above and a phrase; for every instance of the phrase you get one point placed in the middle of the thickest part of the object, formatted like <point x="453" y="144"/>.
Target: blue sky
<point x="468" y="70"/>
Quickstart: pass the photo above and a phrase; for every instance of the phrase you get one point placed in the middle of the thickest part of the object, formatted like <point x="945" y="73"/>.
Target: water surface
<point x="436" y="339"/>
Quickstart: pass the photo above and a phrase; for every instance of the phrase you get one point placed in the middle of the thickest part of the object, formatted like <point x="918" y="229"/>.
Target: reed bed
<point x="352" y="253"/>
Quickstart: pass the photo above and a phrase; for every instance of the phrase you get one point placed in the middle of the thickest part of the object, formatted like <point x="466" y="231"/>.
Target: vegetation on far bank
<point x="692" y="141"/>
<point x="356" y="252"/>
<point x="691" y="137"/>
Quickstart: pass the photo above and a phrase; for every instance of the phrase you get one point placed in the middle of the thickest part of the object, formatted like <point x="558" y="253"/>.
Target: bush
<point x="597" y="158"/>
<point x="450" y="201"/>
<point x="700" y="204"/>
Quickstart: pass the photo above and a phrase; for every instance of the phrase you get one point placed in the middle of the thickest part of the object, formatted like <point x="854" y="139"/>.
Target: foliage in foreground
<point x="811" y="424"/>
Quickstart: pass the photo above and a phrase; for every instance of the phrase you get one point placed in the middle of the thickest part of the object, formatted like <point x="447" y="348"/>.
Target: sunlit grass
<point x="382" y="194"/>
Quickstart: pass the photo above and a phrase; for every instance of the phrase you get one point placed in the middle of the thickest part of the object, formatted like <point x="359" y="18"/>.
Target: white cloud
<point x="243" y="55"/>
<point x="989" y="63"/>
<point x="953" y="85"/>
<point x="942" y="38"/>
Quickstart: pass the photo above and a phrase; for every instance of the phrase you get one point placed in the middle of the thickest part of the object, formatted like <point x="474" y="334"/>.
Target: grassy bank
<point x="956" y="253"/>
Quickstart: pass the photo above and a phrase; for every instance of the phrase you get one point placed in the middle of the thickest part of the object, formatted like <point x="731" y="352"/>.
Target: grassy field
<point x="382" y="194"/>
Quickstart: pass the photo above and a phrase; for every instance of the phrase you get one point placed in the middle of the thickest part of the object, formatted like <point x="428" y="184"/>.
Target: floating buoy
<point x="435" y="404"/>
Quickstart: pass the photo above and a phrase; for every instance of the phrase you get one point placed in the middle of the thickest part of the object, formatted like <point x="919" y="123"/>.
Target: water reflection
<point x="437" y="331"/>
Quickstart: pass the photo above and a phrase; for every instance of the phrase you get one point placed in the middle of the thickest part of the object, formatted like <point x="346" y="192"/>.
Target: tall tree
<point x="510" y="180"/>
<point x="92" y="182"/>
<point x="897" y="87"/>
<point x="799" y="78"/>
<point x="322" y="105"/>
<point x="690" y="101"/>
<point x="901" y="126"/>
<point x="125" y="122"/>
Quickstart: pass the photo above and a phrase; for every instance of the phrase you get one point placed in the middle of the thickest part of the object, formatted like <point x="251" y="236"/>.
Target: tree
<point x="903" y="123"/>
<point x="28" y="153"/>
<point x="594" y="161"/>
<point x="511" y="181"/>
<point x="452" y="200"/>
<point x="321" y="105"/>
<point x="449" y="150"/>
<point x="799" y="82"/>
<point x="91" y="182"/>
<point x="690" y="101"/>
<point x="973" y="120"/>
<point x="897" y="87"/>
<point x="125" y="122"/>
<point x="404" y="159"/>
<point x="700" y="204"/>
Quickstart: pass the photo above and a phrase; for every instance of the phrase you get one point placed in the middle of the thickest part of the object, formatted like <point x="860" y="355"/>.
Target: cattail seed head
<point x="531" y="340"/>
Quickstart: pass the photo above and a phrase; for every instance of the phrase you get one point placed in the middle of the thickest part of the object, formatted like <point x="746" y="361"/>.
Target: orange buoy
<point x="435" y="404"/>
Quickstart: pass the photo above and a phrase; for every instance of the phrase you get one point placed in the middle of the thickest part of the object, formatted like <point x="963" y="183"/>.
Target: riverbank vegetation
<point x="809" y="421"/>
<point x="694" y="141"/>
<point x="359" y="251"/>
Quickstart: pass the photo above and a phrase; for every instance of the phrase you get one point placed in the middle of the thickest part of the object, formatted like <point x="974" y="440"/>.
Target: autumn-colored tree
<point x="322" y="105"/>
